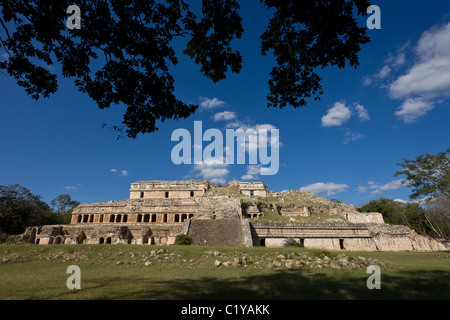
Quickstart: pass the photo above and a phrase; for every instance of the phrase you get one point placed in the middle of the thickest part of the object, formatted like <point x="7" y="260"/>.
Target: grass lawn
<point x="188" y="272"/>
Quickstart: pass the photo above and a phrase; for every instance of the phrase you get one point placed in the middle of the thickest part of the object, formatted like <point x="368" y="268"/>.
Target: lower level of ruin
<point x="240" y="232"/>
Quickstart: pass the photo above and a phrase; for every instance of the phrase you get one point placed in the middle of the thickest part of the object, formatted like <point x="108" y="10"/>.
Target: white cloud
<point x="379" y="188"/>
<point x="361" y="189"/>
<point x="253" y="172"/>
<point x="213" y="170"/>
<point x="400" y="59"/>
<point x="363" y="114"/>
<point x="384" y="72"/>
<point x="340" y="114"/>
<point x="208" y="104"/>
<point x="393" y="185"/>
<point x="392" y="63"/>
<point x="224" y="116"/>
<point x="122" y="172"/>
<point x="70" y="188"/>
<point x="412" y="109"/>
<point x="351" y="136"/>
<point x="256" y="140"/>
<point x="329" y="188"/>
<point x="428" y="78"/>
<point x="367" y="81"/>
<point x="337" y="115"/>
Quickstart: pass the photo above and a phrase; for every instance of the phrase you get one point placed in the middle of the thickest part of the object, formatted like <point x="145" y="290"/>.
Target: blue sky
<point x="346" y="146"/>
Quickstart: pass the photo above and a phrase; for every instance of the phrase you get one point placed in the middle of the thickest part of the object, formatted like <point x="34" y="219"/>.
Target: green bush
<point x="183" y="240"/>
<point x="3" y="237"/>
<point x="290" y="242"/>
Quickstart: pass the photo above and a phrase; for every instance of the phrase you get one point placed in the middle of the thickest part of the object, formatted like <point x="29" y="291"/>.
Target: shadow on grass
<point x="280" y="285"/>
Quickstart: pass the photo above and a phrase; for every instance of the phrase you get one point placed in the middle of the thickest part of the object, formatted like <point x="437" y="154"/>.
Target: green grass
<point x="39" y="272"/>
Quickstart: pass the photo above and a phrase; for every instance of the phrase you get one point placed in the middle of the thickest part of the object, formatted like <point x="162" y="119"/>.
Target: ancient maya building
<point x="158" y="211"/>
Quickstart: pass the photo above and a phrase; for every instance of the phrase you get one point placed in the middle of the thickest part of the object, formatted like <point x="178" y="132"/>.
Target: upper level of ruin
<point x="258" y="189"/>
<point x="169" y="189"/>
<point x="188" y="189"/>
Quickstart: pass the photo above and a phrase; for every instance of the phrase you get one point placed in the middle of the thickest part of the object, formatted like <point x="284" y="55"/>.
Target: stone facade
<point x="350" y="237"/>
<point x="169" y="189"/>
<point x="364" y="217"/>
<point x="258" y="189"/>
<point x="103" y="234"/>
<point x="158" y="211"/>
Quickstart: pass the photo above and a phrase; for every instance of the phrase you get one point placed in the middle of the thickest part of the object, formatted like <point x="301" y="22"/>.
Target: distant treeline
<point x="19" y="209"/>
<point x="431" y="219"/>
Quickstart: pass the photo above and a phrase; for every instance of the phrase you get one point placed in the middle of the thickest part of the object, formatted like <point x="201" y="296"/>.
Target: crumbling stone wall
<point x="218" y="208"/>
<point x="364" y="217"/>
<point x="350" y="237"/>
<point x="401" y="238"/>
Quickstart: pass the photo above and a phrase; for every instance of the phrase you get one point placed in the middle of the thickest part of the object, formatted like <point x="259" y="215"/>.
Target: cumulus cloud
<point x="340" y="113"/>
<point x="361" y="189"/>
<point x="379" y="188"/>
<point x="256" y="140"/>
<point x="427" y="79"/>
<point x="337" y="115"/>
<point x="329" y="188"/>
<point x="384" y="72"/>
<point x="392" y="63"/>
<point x="412" y="109"/>
<point x="253" y="172"/>
<point x="208" y="104"/>
<point x="363" y="114"/>
<point x="351" y="136"/>
<point x="214" y="170"/>
<point x="122" y="172"/>
<point x="224" y="116"/>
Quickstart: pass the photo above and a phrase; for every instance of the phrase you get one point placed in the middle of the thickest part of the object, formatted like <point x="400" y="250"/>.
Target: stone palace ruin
<point x="232" y="215"/>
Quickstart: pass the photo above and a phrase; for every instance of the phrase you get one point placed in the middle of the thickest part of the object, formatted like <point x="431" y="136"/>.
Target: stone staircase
<point x="211" y="232"/>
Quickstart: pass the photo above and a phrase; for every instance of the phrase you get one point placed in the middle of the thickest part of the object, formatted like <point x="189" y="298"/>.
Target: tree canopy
<point x="424" y="220"/>
<point x="428" y="175"/>
<point x="123" y="51"/>
<point x="19" y="209"/>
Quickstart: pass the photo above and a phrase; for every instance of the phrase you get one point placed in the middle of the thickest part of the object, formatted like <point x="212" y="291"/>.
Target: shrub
<point x="290" y="242"/>
<point x="183" y="240"/>
<point x="3" y="237"/>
